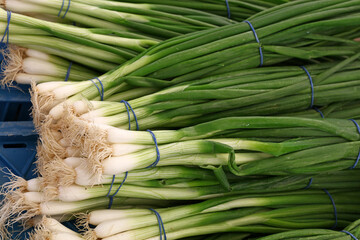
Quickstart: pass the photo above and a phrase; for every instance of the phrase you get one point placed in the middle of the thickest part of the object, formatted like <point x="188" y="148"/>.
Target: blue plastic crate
<point x="17" y="148"/>
<point x="15" y="104"/>
<point x="17" y="151"/>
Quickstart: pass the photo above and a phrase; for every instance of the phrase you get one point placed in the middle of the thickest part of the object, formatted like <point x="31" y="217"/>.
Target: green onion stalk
<point x="268" y="213"/>
<point x="283" y="33"/>
<point x="222" y="236"/>
<point x="28" y="65"/>
<point x="156" y="21"/>
<point x="343" y="110"/>
<point x="105" y="148"/>
<point x="352" y="229"/>
<point x="286" y="89"/>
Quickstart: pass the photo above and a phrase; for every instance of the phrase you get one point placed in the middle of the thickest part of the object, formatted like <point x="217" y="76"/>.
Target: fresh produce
<point x="220" y="50"/>
<point x="175" y="120"/>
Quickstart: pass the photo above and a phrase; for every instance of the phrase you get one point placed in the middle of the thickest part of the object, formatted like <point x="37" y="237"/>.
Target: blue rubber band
<point x="62" y="7"/>
<point x="127" y="105"/>
<point x="68" y="72"/>
<point x="228" y="9"/>
<point x="358" y="157"/>
<point x="349" y="233"/>
<point x="67" y="9"/>
<point x="157" y="150"/>
<point x="101" y="92"/>
<point x="319" y="111"/>
<point x="309" y="185"/>
<point x="161" y="224"/>
<point x="335" y="210"/>
<point x="258" y="41"/>
<point x="312" y="86"/>
<point x="357" y="161"/>
<point x="7" y="29"/>
<point x="111" y="198"/>
<point x="356" y="124"/>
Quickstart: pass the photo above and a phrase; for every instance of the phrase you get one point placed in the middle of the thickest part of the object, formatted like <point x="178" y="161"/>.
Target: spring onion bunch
<point x="353" y="229"/>
<point x="151" y="12"/>
<point x="283" y="33"/>
<point x="159" y="21"/>
<point x="96" y="48"/>
<point x="105" y="148"/>
<point x="27" y="65"/>
<point x="260" y="91"/>
<point x="26" y="199"/>
<point x="268" y="213"/>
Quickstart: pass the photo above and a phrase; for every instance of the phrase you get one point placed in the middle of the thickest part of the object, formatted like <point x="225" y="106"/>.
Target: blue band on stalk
<point x="319" y="111"/>
<point x="357" y="161"/>
<point x="68" y="72"/>
<point x="62" y="7"/>
<point x="157" y="150"/>
<point x="309" y="185"/>
<point x="258" y="41"/>
<point x="101" y="92"/>
<point x="111" y="198"/>
<point x="67" y="9"/>
<point x="358" y="157"/>
<point x="312" y="86"/>
<point x="335" y="210"/>
<point x="127" y="105"/>
<point x="356" y="124"/>
<point x="349" y="233"/>
<point x="161" y="224"/>
<point x="7" y="29"/>
<point x="228" y="8"/>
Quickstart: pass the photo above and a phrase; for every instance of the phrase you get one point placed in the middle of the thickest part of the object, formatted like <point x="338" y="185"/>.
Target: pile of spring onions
<point x="165" y="119"/>
<point x="284" y="35"/>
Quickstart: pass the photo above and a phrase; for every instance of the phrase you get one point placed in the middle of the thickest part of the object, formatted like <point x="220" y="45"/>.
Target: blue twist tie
<point x="228" y="9"/>
<point x="349" y="233"/>
<point x="357" y="161"/>
<point x="7" y="29"/>
<point x="62" y="7"/>
<point x="127" y="105"/>
<point x="319" y="111"/>
<point x="312" y="87"/>
<point x="157" y="150"/>
<point x="356" y="124"/>
<point x="309" y="185"/>
<point x="257" y="40"/>
<point x="111" y="198"/>
<point x="335" y="211"/>
<point x="358" y="157"/>
<point x="101" y="92"/>
<point x="68" y="72"/>
<point x="161" y="224"/>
